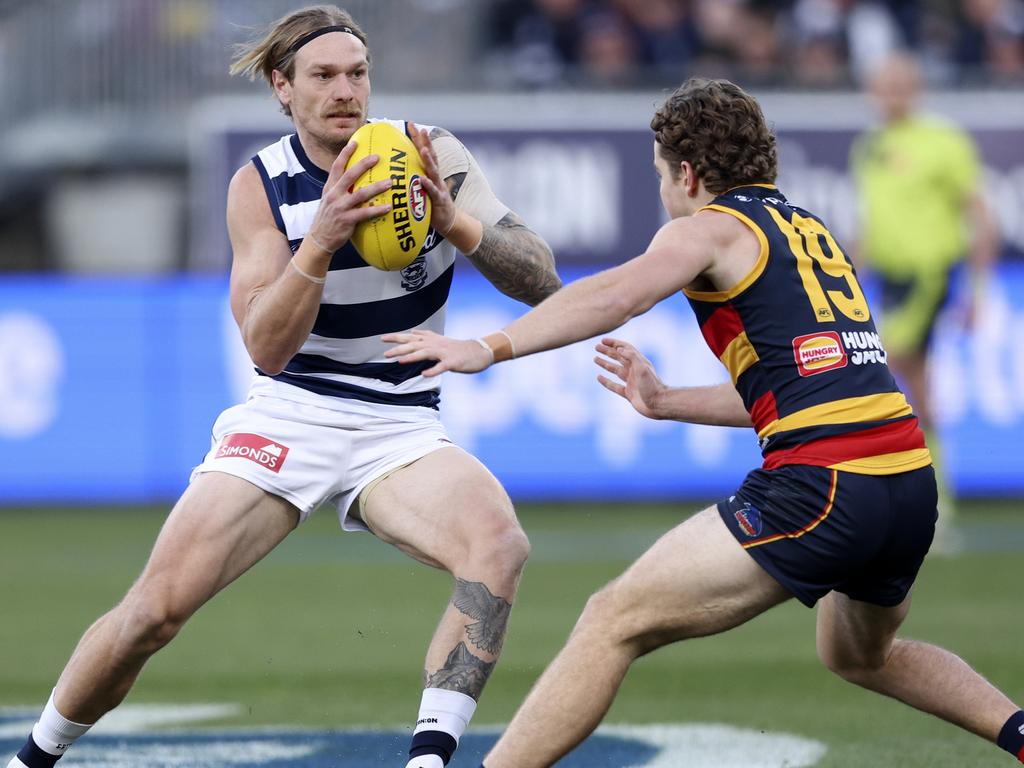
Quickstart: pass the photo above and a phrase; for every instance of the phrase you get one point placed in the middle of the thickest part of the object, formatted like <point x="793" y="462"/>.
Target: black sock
<point x="1011" y="737"/>
<point x="433" y="743"/>
<point x="35" y="757"/>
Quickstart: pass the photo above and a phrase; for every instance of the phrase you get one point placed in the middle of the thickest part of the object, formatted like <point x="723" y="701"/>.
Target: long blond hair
<point x="271" y="48"/>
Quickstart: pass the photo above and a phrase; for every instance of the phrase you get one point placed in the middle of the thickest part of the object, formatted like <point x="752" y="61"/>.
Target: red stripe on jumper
<point x="764" y="411"/>
<point x="903" y="435"/>
<point x="722" y="327"/>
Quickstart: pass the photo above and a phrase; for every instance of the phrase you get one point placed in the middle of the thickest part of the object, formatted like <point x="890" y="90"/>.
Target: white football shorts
<point x="310" y="454"/>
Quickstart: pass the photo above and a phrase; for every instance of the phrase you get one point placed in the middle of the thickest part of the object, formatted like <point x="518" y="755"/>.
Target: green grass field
<point x="331" y="628"/>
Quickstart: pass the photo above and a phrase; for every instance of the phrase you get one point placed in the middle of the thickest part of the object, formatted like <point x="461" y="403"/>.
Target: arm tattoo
<point x="455" y="182"/>
<point x="516" y="261"/>
<point x="475" y="600"/>
<point x="462" y="672"/>
<point x="513" y="257"/>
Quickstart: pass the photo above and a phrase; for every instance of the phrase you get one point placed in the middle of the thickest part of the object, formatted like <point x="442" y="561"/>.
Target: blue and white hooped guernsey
<point x="344" y="356"/>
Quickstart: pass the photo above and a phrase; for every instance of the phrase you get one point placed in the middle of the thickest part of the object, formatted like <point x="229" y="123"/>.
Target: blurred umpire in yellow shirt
<point x="919" y="182"/>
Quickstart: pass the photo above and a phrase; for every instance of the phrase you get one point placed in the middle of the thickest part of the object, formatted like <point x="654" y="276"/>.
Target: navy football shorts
<point x="815" y="529"/>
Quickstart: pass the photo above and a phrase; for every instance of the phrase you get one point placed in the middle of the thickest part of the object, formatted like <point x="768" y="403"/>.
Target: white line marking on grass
<point x="713" y="745"/>
<point x="695" y="745"/>
<point x="206" y="755"/>
<point x="139" y="718"/>
<point x="128" y="718"/>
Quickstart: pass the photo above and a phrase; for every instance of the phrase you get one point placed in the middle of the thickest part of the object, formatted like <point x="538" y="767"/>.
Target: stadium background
<point x="118" y="131"/>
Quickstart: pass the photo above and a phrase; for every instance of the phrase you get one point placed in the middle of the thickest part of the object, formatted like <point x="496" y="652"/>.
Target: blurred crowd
<point x="802" y="43"/>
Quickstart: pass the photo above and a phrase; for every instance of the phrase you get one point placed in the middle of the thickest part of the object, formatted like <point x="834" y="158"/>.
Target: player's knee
<point x="607" y="615"/>
<point x="599" y="610"/>
<point x="150" y="622"/>
<point x="855" y="665"/>
<point x="618" y="614"/>
<point x="503" y="547"/>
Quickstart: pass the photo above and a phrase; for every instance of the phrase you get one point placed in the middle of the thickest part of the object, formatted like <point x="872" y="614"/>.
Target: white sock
<point x="54" y="733"/>
<point x="447" y="712"/>
<point x="426" y="761"/>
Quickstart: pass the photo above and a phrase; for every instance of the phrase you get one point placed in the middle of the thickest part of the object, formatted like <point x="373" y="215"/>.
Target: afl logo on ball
<point x="417" y="199"/>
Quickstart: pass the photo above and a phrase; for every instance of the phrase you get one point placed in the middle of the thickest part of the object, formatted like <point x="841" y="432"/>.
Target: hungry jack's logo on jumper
<point x="243" y="445"/>
<point x="818" y="352"/>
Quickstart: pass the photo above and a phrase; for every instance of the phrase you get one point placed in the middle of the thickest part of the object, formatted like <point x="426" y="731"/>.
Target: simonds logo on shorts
<point x="243" y="445"/>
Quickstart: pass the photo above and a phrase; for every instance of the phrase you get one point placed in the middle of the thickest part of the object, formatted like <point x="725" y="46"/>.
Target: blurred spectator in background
<point x="601" y="44"/>
<point x="919" y="181"/>
<point x="538" y="41"/>
<point x="777" y="43"/>
<point x="990" y="44"/>
<point x="819" y="61"/>
<point x="757" y="46"/>
<point x="608" y="55"/>
<point x="666" y="34"/>
<point x="176" y="46"/>
<point x="838" y="40"/>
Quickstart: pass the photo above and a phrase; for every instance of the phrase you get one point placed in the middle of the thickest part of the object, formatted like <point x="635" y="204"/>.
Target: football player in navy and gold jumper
<point x="843" y="510"/>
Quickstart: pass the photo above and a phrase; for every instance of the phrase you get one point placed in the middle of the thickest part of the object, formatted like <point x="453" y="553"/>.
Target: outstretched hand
<point x="463" y="356"/>
<point x="637" y="382"/>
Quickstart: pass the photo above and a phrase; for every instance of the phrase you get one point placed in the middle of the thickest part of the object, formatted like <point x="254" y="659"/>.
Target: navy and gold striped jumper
<point x="837" y="435"/>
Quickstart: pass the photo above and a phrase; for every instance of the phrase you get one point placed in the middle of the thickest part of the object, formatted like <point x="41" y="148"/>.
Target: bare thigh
<point x="852" y="634"/>
<point x="695" y="580"/>
<point x="440" y="508"/>
<point x="220" y="527"/>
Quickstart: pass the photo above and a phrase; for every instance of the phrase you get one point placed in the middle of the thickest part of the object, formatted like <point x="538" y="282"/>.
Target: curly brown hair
<point x="720" y="130"/>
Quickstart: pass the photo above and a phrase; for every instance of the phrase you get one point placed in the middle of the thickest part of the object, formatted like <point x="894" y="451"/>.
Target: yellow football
<point x="393" y="240"/>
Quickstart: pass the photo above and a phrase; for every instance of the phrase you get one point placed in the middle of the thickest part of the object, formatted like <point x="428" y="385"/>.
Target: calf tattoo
<point x="462" y="672"/>
<point x="475" y="600"/>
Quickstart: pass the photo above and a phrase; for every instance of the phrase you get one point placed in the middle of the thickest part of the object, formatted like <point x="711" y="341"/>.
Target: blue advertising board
<point x="109" y="387"/>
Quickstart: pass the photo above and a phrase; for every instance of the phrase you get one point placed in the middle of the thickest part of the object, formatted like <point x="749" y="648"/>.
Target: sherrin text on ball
<point x="394" y="240"/>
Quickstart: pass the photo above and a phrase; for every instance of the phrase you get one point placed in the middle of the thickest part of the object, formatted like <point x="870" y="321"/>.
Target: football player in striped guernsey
<point x="329" y="419"/>
<point x="842" y="512"/>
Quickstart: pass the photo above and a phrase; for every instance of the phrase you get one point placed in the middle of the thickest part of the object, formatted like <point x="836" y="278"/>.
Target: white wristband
<point x="486" y="346"/>
<point x="305" y="274"/>
<point x="317" y="243"/>
<point x="511" y="343"/>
